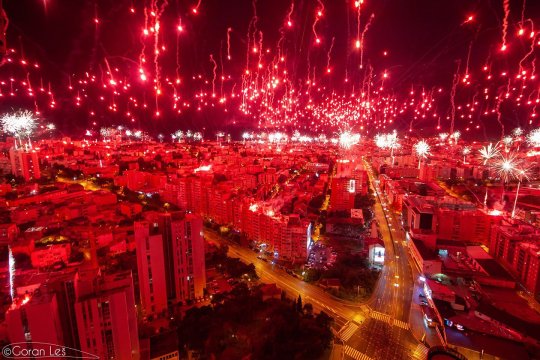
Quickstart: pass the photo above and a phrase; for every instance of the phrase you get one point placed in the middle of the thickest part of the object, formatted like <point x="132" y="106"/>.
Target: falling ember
<point x="318" y="16"/>
<point x="195" y="10"/>
<point x="506" y="7"/>
<point x="229" y="43"/>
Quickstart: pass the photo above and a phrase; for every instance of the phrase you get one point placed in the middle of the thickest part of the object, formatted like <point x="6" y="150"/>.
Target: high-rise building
<point x="183" y="249"/>
<point x="24" y="163"/>
<point x="350" y="180"/>
<point x="465" y="224"/>
<point x="32" y="320"/>
<point x="418" y="214"/>
<point x="516" y="247"/>
<point x="343" y="193"/>
<point x="151" y="267"/>
<point x="107" y="317"/>
<point x="180" y="261"/>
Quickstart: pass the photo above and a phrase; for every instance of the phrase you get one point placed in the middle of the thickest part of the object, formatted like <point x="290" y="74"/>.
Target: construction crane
<point x="3" y="28"/>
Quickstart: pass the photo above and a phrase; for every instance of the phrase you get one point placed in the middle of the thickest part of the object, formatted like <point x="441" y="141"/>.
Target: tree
<point x="363" y="201"/>
<point x="299" y="304"/>
<point x="316" y="202"/>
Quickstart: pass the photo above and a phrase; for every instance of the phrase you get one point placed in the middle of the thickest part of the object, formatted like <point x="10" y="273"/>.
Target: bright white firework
<point x="381" y="141"/>
<point x="105" y="132"/>
<point x="455" y="136"/>
<point x="534" y="138"/>
<point x="197" y="136"/>
<point x="443" y="136"/>
<point x="510" y="167"/>
<point x="517" y="132"/>
<point x="422" y="149"/>
<point x="387" y="141"/>
<point x="465" y="151"/>
<point x="348" y="139"/>
<point x="488" y="152"/>
<point x="177" y="135"/>
<point x="19" y="124"/>
<point x="508" y="140"/>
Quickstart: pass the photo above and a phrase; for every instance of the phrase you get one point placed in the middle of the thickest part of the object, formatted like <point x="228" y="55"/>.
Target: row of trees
<point x="231" y="266"/>
<point x="243" y="325"/>
<point x="356" y="277"/>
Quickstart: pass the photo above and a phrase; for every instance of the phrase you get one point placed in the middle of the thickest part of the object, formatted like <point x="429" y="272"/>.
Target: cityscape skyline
<point x="257" y="179"/>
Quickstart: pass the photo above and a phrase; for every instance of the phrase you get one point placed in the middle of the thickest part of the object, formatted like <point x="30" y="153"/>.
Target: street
<point x="376" y="329"/>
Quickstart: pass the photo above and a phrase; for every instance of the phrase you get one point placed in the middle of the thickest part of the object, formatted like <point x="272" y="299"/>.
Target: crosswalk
<point x="421" y="352"/>
<point x="355" y="354"/>
<point x="348" y="331"/>
<point x="389" y="320"/>
<point x="381" y="316"/>
<point x="401" y="324"/>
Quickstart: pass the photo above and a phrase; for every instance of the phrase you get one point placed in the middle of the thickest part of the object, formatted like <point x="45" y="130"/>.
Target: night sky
<point x="424" y="40"/>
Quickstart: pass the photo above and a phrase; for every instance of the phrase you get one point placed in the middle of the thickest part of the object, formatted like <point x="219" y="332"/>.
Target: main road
<point x="376" y="329"/>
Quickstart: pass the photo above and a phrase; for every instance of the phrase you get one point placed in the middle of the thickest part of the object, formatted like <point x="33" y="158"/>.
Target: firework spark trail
<point x="358" y="6"/>
<point x="453" y="97"/>
<point x="259" y="62"/>
<point x="329" y="55"/>
<point x="222" y="77"/>
<point x="530" y="52"/>
<point x="506" y="6"/>
<point x="289" y="14"/>
<point x="288" y="23"/>
<point x="467" y="63"/>
<point x="157" y="12"/>
<point x="29" y="83"/>
<point x="362" y="40"/>
<point x="111" y="81"/>
<point x="229" y="43"/>
<point x="318" y="15"/>
<point x="195" y="10"/>
<point x="177" y="69"/>
<point x="246" y="76"/>
<point x="523" y="11"/>
<point x="214" y="72"/>
<point x="142" y="57"/>
<point x="498" y="108"/>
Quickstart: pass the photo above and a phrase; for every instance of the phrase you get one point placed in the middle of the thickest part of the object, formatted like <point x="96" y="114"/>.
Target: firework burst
<point x="489" y="152"/>
<point x="20" y="124"/>
<point x="533" y="139"/>
<point x="422" y="149"/>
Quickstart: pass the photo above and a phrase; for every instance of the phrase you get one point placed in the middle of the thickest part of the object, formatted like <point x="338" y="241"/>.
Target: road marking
<point x="421" y="352"/>
<point x="401" y="324"/>
<point x="381" y="316"/>
<point x="348" y="331"/>
<point x="355" y="354"/>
